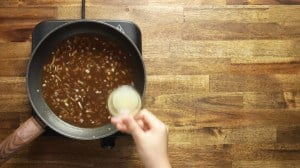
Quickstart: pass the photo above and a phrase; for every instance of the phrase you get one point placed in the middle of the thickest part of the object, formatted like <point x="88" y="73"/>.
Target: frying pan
<point x="35" y="126"/>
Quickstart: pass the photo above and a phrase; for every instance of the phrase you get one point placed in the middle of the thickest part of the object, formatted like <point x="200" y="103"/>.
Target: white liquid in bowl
<point x="124" y="99"/>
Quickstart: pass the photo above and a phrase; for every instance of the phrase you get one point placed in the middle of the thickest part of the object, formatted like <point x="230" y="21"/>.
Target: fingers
<point x="149" y="119"/>
<point x="143" y="121"/>
<point x="115" y="120"/>
<point x="121" y="127"/>
<point x="140" y="123"/>
<point x="128" y="124"/>
<point x="132" y="126"/>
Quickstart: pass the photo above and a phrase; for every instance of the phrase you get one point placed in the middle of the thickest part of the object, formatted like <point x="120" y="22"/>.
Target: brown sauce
<point x="79" y="76"/>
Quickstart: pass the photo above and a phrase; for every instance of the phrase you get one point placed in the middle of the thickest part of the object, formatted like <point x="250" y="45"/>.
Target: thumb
<point x="132" y="126"/>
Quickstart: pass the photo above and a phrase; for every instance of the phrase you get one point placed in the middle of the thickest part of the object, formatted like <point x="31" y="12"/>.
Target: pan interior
<point x="79" y="76"/>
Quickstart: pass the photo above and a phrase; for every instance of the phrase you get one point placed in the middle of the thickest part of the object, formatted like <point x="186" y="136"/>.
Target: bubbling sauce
<point x="79" y="76"/>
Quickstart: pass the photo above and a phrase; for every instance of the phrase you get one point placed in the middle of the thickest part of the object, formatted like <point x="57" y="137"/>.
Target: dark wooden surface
<point x="224" y="75"/>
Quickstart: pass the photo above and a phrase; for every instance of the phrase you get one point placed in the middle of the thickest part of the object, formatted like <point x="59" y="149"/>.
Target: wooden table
<point x="224" y="75"/>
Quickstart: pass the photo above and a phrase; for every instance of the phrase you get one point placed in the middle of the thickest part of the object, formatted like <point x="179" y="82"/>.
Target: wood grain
<point x="266" y="152"/>
<point x="288" y="134"/>
<point x="186" y="3"/>
<point x="14" y="50"/>
<point x="215" y="30"/>
<point x="186" y="66"/>
<point x="12" y="85"/>
<point x="243" y="14"/>
<point x="9" y="120"/>
<point x="38" y="3"/>
<point x="263" y="2"/>
<point x="13" y="67"/>
<point x="222" y="74"/>
<point x="271" y="100"/>
<point x="16" y="25"/>
<point x="280" y="68"/>
<point x="246" y="118"/>
<point x="251" y="83"/>
<point x="15" y="103"/>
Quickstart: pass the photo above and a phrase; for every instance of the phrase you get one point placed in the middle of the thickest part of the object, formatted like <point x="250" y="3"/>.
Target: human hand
<point x="150" y="136"/>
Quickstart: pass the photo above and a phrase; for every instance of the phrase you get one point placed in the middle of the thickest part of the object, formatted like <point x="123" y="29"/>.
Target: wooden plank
<point x="179" y="159"/>
<point x="15" y="103"/>
<point x="16" y="25"/>
<point x="27" y="13"/>
<point x="5" y="132"/>
<point x="288" y="134"/>
<point x="15" y="50"/>
<point x="216" y="110"/>
<point x="117" y="2"/>
<point x="265" y="60"/>
<point x="12" y="85"/>
<point x="94" y="12"/>
<point x="13" y="67"/>
<point x="162" y="31"/>
<point x="186" y="2"/>
<point x="55" y="3"/>
<point x="266" y="152"/>
<point x="267" y="164"/>
<point x="271" y="68"/>
<point x="38" y="3"/>
<point x="186" y="66"/>
<point x="14" y="32"/>
<point x="254" y="83"/>
<point x="242" y="23"/>
<point x="227" y="30"/>
<point x="288" y="14"/>
<point x="181" y="137"/>
<point x="172" y="84"/>
<point x="240" y="51"/>
<point x="246" y="135"/>
<point x="9" y="120"/>
<point x="183" y="119"/>
<point x="155" y="48"/>
<point x="292" y="99"/>
<point x="263" y="2"/>
<point x="245" y="117"/>
<point x="271" y="100"/>
<point x="218" y="156"/>
<point x="251" y="51"/>
<point x="196" y="101"/>
<point x="240" y="135"/>
<point x="70" y="12"/>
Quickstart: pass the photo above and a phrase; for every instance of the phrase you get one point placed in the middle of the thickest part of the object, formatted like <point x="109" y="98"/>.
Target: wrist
<point x="162" y="162"/>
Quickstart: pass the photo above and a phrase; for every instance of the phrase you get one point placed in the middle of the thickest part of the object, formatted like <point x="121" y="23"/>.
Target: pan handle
<point x="22" y="136"/>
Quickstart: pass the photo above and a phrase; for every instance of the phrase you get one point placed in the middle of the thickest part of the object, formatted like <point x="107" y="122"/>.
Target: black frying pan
<point x="40" y="56"/>
<point x="33" y="127"/>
